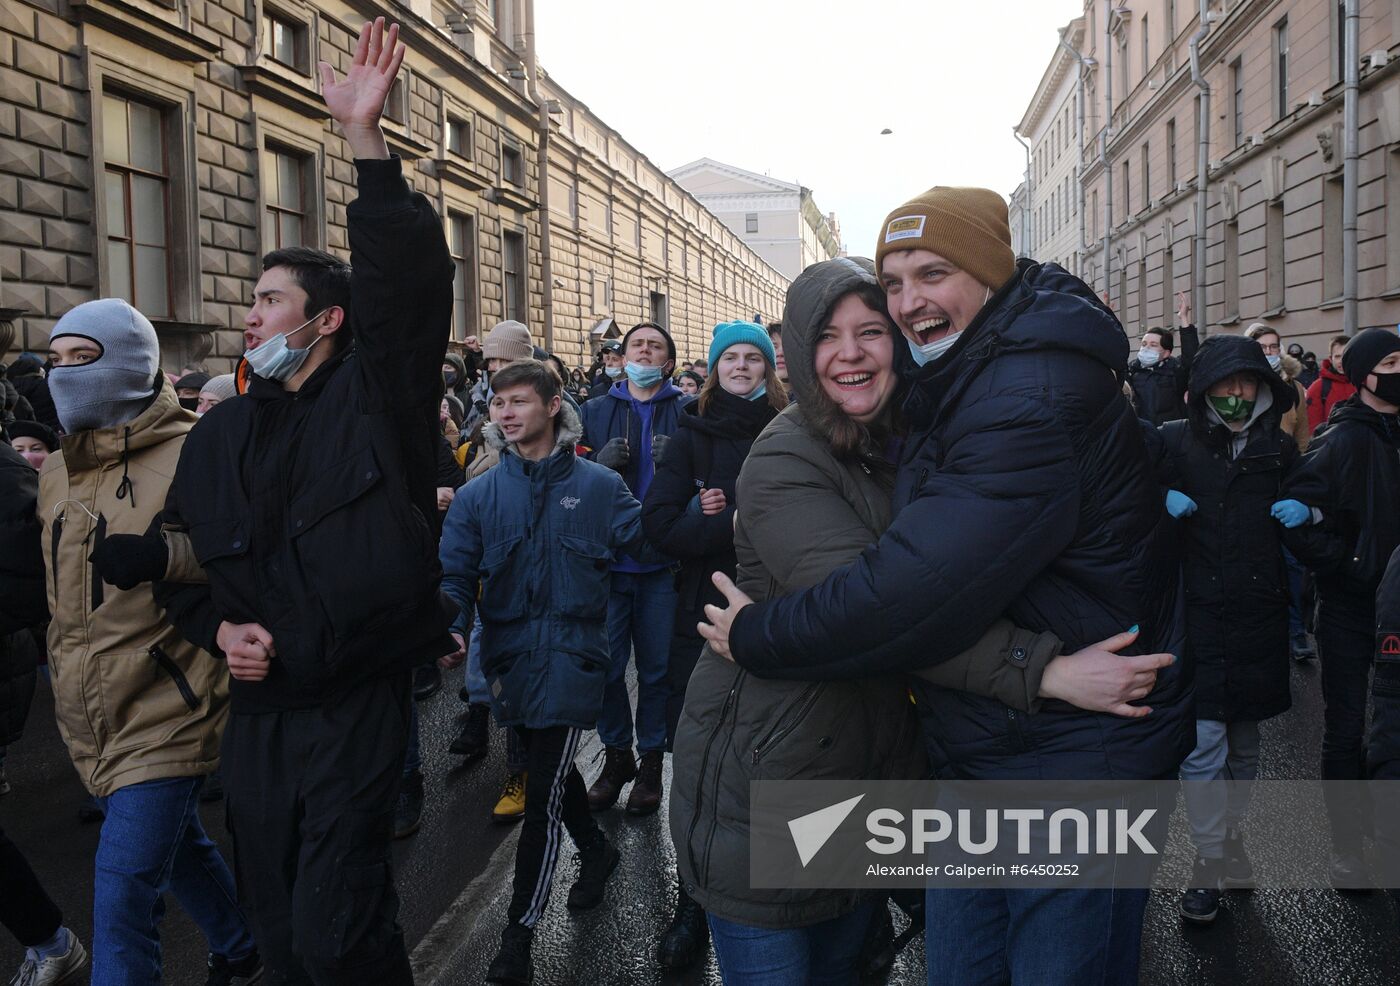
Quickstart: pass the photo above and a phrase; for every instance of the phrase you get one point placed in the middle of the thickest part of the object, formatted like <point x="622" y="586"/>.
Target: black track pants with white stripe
<point x="555" y="801"/>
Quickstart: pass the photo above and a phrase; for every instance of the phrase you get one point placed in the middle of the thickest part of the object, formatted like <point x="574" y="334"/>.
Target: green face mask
<point x="1232" y="408"/>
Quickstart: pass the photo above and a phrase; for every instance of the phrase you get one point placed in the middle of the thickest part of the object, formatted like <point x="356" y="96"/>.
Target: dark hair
<point x="849" y="438"/>
<point x="1337" y="341"/>
<point x="530" y="373"/>
<point x="775" y="329"/>
<point x="1168" y="340"/>
<point x="702" y="362"/>
<point x="1261" y="329"/>
<point x="324" y="278"/>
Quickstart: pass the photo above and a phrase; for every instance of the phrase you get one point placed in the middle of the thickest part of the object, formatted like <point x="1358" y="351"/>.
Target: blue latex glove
<point x="1180" y="505"/>
<point x="1291" y="513"/>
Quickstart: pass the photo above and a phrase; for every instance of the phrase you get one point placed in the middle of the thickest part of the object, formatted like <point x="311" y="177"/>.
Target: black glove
<point x="614" y="455"/>
<point x="127" y="560"/>
<point x="658" y="448"/>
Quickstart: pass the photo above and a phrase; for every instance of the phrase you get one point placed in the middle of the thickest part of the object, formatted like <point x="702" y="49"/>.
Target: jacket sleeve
<point x="1007" y="664"/>
<point x="628" y="535"/>
<point x="401" y="289"/>
<point x="669" y="516"/>
<point x="187" y="599"/>
<point x="1189" y="339"/>
<point x="460" y="555"/>
<point x="1003" y="504"/>
<point x="1316" y="412"/>
<point x="1314" y="481"/>
<point x="448" y="472"/>
<point x="22" y="593"/>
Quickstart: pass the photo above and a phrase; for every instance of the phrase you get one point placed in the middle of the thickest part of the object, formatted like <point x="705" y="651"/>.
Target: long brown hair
<point x="776" y="394"/>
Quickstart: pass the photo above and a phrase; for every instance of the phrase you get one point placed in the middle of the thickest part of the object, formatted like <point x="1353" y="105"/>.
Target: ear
<point x="331" y="320"/>
<point x="555" y="403"/>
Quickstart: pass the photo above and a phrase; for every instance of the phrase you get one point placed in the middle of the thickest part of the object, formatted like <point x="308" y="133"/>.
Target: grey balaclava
<point x="116" y="387"/>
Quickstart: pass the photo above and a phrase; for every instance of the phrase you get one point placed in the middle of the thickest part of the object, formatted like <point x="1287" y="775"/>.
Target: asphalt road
<point x="453" y="878"/>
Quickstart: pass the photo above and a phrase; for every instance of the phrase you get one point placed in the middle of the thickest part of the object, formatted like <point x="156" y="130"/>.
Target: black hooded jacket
<point x="1159" y="391"/>
<point x="27" y="375"/>
<point x="706" y="451"/>
<point x="22" y="600"/>
<point x="1236" y="582"/>
<point x="1351" y="472"/>
<point x="1025" y="489"/>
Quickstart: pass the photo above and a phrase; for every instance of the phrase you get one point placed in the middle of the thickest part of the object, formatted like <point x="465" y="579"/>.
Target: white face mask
<point x="926" y="354"/>
<point x="1149" y="357"/>
<point x="1275" y="362"/>
<point x="275" y="360"/>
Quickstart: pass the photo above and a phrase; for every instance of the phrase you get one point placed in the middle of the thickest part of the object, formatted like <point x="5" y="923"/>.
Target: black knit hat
<point x="1366" y="350"/>
<point x="33" y="429"/>
<point x="670" y="343"/>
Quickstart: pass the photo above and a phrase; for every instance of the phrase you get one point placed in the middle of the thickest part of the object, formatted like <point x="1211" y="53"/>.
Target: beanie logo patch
<point x="905" y="228"/>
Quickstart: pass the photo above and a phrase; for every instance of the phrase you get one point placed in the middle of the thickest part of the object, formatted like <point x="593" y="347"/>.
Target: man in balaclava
<point x="141" y="711"/>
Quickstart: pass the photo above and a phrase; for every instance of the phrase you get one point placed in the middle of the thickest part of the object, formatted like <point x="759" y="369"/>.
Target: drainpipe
<point x="1079" y="172"/>
<point x="1198" y="278"/>
<point x="1104" y="136"/>
<point x="532" y="82"/>
<point x="1351" y="52"/>
<point x="1027" y="208"/>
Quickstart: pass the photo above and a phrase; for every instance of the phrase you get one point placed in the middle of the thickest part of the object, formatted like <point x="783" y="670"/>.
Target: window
<point x="1281" y="69"/>
<point x="1125" y="75"/>
<point x="1142" y="295"/>
<point x="284" y="41"/>
<point x="1094" y="213"/>
<point x="461" y="243"/>
<point x="750" y="222"/>
<point x="459" y="136"/>
<point x="1168" y="301"/>
<point x="512" y="166"/>
<point x="1331" y="239"/>
<point x="396" y="104"/>
<point x="1339" y="36"/>
<point x="1170" y="23"/>
<point x="1146" y="182"/>
<point x="658" y="308"/>
<point x="1232" y="269"/>
<point x="1392" y="219"/>
<point x="513" y="273"/>
<point x="137" y="176"/>
<point x="1127" y="192"/>
<point x="1171" y="156"/>
<point x="284" y="197"/>
<point x="1146" y="49"/>
<point x="1273" y="262"/>
<point x="1237" y="101"/>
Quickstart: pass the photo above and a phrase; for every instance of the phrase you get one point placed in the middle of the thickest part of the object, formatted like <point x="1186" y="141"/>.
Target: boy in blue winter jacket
<point x="538" y="535"/>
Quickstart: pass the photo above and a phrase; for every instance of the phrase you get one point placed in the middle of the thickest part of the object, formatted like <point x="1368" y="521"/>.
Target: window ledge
<point x="1231" y="320"/>
<point x="515" y="199"/>
<point x="408" y="147"/>
<point x="1278" y="312"/>
<point x="462" y="172"/>
<point x="1331" y="304"/>
<point x="159" y="28"/>
<point x="285" y="87"/>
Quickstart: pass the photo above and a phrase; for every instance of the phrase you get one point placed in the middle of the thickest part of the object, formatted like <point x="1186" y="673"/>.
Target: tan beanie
<point x="508" y="340"/>
<point x="968" y="226"/>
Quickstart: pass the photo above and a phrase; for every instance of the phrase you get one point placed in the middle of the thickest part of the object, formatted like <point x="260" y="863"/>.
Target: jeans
<point x="641" y="612"/>
<point x="476" y="680"/>
<point x="152" y="841"/>
<point x="1225" y="751"/>
<point x="1048" y="937"/>
<point x="1346" y="648"/>
<point x="825" y="954"/>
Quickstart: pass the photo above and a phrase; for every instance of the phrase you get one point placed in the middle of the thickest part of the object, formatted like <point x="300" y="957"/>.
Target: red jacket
<point x="1327" y="391"/>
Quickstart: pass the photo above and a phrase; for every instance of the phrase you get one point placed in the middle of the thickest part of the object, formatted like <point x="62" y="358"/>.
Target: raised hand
<point x="357" y="101"/>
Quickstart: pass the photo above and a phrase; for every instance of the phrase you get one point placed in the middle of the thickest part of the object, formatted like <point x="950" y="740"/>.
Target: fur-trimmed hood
<point x="570" y="431"/>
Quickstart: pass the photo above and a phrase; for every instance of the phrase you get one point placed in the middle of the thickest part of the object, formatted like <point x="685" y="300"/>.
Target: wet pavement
<point x="454" y="881"/>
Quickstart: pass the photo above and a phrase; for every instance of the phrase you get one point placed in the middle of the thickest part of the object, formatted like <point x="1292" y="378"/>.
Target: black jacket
<point x="1383" y="748"/>
<point x="1236" y="582"/>
<point x="313" y="512"/>
<point x="1351" y="471"/>
<point x="1025" y="490"/>
<point x="704" y="452"/>
<point x="35" y="389"/>
<point x="22" y="600"/>
<point x="1159" y="390"/>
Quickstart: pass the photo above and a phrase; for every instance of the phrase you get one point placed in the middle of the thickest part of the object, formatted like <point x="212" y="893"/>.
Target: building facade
<point x="1274" y="180"/>
<point x="778" y="219"/>
<point x="156" y="149"/>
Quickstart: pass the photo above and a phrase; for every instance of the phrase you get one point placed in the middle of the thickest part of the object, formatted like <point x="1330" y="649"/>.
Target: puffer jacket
<point x="1235" y="579"/>
<point x="1025" y="490"/>
<point x="803" y="512"/>
<point x="22" y="602"/>
<point x="539" y="539"/>
<point x="1329" y="389"/>
<point x="27" y="374"/>
<point x="134" y="701"/>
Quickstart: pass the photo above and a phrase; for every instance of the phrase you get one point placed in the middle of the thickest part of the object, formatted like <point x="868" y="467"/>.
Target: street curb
<point x="457" y="926"/>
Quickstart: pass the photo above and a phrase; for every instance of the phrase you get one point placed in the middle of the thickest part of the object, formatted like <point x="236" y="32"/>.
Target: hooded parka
<point x="1234" y="574"/>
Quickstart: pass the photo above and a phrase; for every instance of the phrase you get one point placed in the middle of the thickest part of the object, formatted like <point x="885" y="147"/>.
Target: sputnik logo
<point x="812" y="831"/>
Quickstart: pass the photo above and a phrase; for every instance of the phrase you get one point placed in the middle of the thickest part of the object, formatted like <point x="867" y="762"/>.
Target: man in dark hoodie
<point x="27" y="374"/>
<point x="1158" y="376"/>
<point x="627" y="429"/>
<point x="1024" y="489"/>
<point x="1225" y="465"/>
<point x="1349" y="478"/>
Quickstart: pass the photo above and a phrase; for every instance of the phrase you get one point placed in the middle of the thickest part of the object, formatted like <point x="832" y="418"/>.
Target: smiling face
<point x="522" y="415"/>
<point x="929" y="296"/>
<point x="741" y="368"/>
<point x="854" y="359"/>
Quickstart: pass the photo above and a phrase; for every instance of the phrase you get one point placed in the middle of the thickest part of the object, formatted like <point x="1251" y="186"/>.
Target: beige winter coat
<point x="134" y="701"/>
<point x="1295" y="421"/>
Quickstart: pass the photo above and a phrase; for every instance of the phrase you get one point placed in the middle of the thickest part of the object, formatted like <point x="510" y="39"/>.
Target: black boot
<point x="408" y="810"/>
<point x="426" y="682"/>
<point x="685" y="940"/>
<point x="597" y="860"/>
<point x="474" y="741"/>
<point x="619" y="767"/>
<point x="246" y="970"/>
<point x="512" y="965"/>
<point x="1201" y="903"/>
<point x="1239" y="872"/>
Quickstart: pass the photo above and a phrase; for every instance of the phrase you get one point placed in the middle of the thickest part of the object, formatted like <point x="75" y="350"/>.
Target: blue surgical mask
<point x="645" y="377"/>
<point x="1149" y="357"/>
<point x="275" y="360"/>
<point x="613" y="371"/>
<point x="1275" y="362"/>
<point x="758" y="391"/>
<point x="924" y="355"/>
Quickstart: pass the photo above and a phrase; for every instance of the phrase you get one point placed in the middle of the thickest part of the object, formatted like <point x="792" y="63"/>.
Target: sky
<point x="801" y="91"/>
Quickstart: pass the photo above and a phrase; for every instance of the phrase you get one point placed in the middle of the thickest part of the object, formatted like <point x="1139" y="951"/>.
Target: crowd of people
<point x="939" y="475"/>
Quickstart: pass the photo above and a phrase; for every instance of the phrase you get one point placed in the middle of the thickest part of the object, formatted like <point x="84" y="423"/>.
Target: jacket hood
<point x="570" y="431"/>
<point x="459" y="363"/>
<point x="728" y="416"/>
<point x="1291" y="368"/>
<point x="619" y="391"/>
<point x="1336" y="376"/>
<point x="1354" y="410"/>
<point x="810" y="300"/>
<point x="1223" y="356"/>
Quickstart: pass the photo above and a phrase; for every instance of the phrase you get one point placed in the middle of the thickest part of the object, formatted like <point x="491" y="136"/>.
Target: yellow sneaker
<point x="511" y="807"/>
